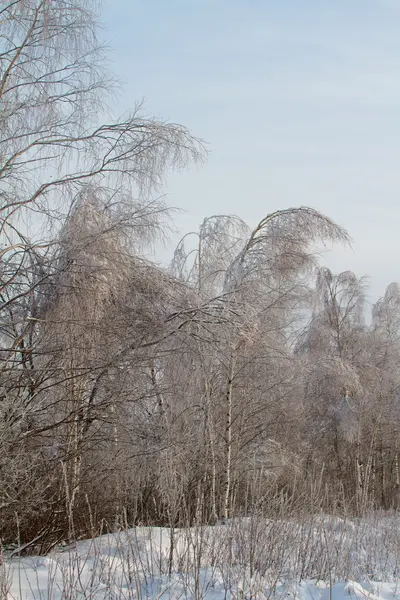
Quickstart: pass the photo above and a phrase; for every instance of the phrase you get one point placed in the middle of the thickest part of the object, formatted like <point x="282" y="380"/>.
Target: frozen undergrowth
<point x="320" y="558"/>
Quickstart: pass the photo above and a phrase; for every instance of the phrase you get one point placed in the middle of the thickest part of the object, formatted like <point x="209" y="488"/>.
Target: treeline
<point x="242" y="378"/>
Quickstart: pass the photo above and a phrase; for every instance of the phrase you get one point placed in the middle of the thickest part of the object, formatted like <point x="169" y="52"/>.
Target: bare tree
<point x="129" y="393"/>
<point x="58" y="160"/>
<point x="255" y="287"/>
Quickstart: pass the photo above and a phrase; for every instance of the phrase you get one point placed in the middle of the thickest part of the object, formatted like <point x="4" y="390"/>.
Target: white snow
<point x="323" y="560"/>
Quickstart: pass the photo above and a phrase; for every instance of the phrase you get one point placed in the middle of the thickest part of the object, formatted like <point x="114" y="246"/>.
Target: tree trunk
<point x="228" y="439"/>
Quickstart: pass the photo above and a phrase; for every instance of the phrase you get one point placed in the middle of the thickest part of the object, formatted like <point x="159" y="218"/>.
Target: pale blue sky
<point x="298" y="100"/>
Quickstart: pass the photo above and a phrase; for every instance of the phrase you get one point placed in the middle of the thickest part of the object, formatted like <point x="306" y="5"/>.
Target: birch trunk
<point x="228" y="439"/>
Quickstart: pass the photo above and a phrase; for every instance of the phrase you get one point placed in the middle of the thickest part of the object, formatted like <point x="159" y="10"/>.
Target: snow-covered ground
<point x="321" y="559"/>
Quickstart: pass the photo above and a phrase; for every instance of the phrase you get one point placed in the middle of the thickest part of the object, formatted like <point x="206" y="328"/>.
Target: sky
<point x="298" y="101"/>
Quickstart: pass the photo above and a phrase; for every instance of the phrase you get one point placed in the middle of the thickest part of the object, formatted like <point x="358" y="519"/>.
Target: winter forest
<point x="243" y="379"/>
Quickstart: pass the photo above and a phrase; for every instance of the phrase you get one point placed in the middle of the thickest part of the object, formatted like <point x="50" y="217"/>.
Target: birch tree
<point x="60" y="143"/>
